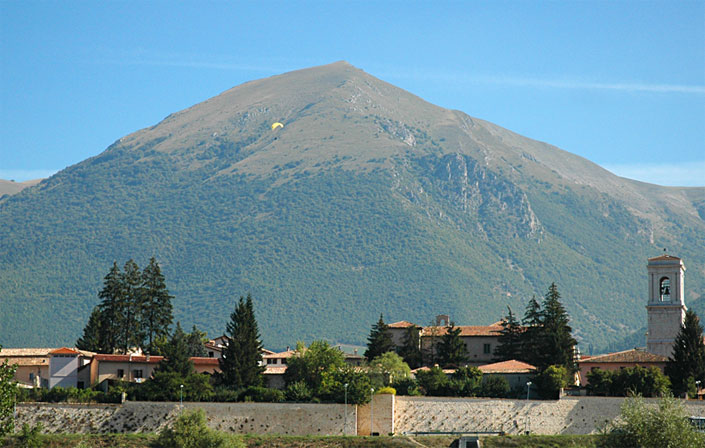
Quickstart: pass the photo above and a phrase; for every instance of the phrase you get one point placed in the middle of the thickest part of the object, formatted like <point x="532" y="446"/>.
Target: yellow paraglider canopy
<point x="277" y="125"/>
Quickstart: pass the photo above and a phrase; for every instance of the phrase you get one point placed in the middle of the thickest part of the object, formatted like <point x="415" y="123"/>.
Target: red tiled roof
<point x="425" y="368"/>
<point x="465" y="330"/>
<point x="512" y="366"/>
<point x="627" y="356"/>
<point x="64" y="351"/>
<point x="128" y="358"/>
<point x="204" y="361"/>
<point x="285" y="354"/>
<point x="401" y="324"/>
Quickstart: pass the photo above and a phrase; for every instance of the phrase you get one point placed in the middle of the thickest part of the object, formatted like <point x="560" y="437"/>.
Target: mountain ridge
<point x="367" y="195"/>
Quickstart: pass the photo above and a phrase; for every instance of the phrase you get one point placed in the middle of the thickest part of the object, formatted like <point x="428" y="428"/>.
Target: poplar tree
<point x="240" y="364"/>
<point x="156" y="316"/>
<point x="509" y="340"/>
<point x="452" y="350"/>
<point x="687" y="362"/>
<point x="379" y="341"/>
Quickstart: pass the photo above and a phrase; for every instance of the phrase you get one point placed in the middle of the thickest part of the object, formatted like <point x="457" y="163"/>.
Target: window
<point x="31" y="377"/>
<point x="210" y="354"/>
<point x="284" y="361"/>
<point x="665" y="289"/>
<point x="270" y="361"/>
<point x="486" y="349"/>
<point x="120" y="373"/>
<point x="137" y="373"/>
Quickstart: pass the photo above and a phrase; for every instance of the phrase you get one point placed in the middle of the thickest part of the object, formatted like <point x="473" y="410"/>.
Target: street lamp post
<point x="345" y="424"/>
<point x="528" y="388"/>
<point x="372" y="409"/>
<point x="697" y="388"/>
<point x="181" y="397"/>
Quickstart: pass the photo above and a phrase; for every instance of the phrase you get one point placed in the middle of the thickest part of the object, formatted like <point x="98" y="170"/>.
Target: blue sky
<point x="621" y="83"/>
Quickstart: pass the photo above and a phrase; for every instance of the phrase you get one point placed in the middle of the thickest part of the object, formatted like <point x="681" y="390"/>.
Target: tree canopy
<point x="379" y="340"/>
<point x="452" y="350"/>
<point x="240" y="363"/>
<point x="687" y="362"/>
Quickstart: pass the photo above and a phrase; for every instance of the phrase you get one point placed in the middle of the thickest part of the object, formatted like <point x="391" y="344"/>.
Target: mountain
<point x="11" y="187"/>
<point x="368" y="200"/>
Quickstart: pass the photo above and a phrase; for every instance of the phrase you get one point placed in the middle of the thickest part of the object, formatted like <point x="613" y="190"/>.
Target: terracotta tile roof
<point x="64" y="351"/>
<point x="284" y="354"/>
<point x="424" y="369"/>
<point x="465" y="330"/>
<point x="627" y="356"/>
<point x="204" y="361"/>
<point x="267" y="352"/>
<point x="126" y="358"/>
<point x="25" y="352"/>
<point x="512" y="366"/>
<point x="401" y="324"/>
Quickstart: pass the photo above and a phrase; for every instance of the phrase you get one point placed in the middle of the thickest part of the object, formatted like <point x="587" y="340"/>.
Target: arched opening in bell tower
<point x="665" y="289"/>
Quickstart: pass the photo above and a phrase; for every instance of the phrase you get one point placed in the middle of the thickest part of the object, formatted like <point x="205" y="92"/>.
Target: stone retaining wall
<point x="579" y="415"/>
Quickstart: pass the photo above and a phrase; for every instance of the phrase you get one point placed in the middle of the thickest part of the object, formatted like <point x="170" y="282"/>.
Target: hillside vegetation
<point x="369" y="200"/>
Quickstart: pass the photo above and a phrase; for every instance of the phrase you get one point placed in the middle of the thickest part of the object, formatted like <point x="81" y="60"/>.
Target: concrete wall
<point x="63" y="370"/>
<point x="381" y="409"/>
<point x="579" y="415"/>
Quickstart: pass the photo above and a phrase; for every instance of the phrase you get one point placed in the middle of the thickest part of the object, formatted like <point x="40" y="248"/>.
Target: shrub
<point x="494" y="386"/>
<point x="406" y="386"/>
<point x="551" y="381"/>
<point x="29" y="436"/>
<point x="298" y="391"/>
<point x="190" y="431"/>
<point x="387" y="391"/>
<point x="261" y="394"/>
<point x="432" y="381"/>
<point x="646" y="426"/>
<point x="223" y="394"/>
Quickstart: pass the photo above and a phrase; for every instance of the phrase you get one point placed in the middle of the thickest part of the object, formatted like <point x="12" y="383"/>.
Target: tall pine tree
<point x="531" y="338"/>
<point x="176" y="356"/>
<point x="379" y="341"/>
<point x="156" y="315"/>
<point x="91" y="338"/>
<point x="452" y="350"/>
<point x="130" y="331"/>
<point x="557" y="344"/>
<point x="240" y="363"/>
<point x="509" y="342"/>
<point x="687" y="363"/>
<point x="110" y="317"/>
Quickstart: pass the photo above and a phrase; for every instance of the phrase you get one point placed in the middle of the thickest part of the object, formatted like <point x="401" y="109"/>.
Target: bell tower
<point x="666" y="307"/>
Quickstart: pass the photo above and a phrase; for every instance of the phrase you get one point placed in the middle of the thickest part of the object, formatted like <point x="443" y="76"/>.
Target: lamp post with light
<point x="528" y="388"/>
<point x="181" y="397"/>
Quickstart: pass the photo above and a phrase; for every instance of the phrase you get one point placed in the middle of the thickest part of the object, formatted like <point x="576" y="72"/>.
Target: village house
<point x="620" y="360"/>
<point x="47" y="367"/>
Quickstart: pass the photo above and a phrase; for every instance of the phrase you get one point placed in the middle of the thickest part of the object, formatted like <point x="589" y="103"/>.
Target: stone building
<point x="666" y="306"/>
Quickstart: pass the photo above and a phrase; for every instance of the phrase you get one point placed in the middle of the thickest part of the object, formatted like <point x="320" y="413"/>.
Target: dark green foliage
<point x="8" y="390"/>
<point x="411" y="350"/>
<point x="166" y="386"/>
<point x="688" y="358"/>
<point x="451" y="350"/>
<point x="637" y="380"/>
<point x="310" y="365"/>
<point x="130" y="332"/>
<point x="29" y="436"/>
<point x="190" y="431"/>
<point x="156" y="312"/>
<point x="176" y="356"/>
<point x="241" y="357"/>
<point x="260" y="394"/>
<point x="111" y="318"/>
<point x="358" y="390"/>
<point x="91" y="338"/>
<point x="406" y="386"/>
<point x="510" y="341"/>
<point x="432" y="381"/>
<point x="466" y="382"/>
<point x="385" y="368"/>
<point x="600" y="382"/>
<point x="379" y="341"/>
<point x="67" y="395"/>
<point x="494" y="386"/>
<point x="642" y="426"/>
<point x="532" y="337"/>
<point x="558" y="344"/>
<point x="195" y="342"/>
<point x="298" y="391"/>
<point x="551" y="380"/>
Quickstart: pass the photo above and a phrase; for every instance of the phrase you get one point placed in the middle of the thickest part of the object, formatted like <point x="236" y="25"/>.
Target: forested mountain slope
<point x="368" y="200"/>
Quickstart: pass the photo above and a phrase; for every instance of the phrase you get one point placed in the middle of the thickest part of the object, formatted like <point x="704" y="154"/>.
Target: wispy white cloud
<point x="544" y="82"/>
<point x="686" y="174"/>
<point x="23" y="175"/>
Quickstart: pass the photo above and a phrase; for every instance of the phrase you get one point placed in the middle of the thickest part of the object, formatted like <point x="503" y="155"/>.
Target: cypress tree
<point x="156" y="316"/>
<point x="687" y="362"/>
<point x="91" y="338"/>
<point x="240" y="363"/>
<point x="510" y="339"/>
<point x="379" y="341"/>
<point x="452" y="350"/>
